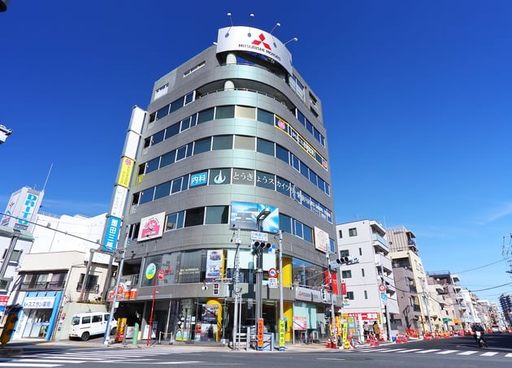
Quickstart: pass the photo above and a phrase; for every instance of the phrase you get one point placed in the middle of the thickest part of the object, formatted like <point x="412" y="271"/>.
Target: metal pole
<point x="333" y="318"/>
<point x="235" y="291"/>
<point x="106" y="286"/>
<point x="106" y="338"/>
<point x="150" y="330"/>
<point x="86" y="276"/>
<point x="281" y="302"/>
<point x="259" y="281"/>
<point x="388" y="327"/>
<point x="8" y="255"/>
<point x="168" y="319"/>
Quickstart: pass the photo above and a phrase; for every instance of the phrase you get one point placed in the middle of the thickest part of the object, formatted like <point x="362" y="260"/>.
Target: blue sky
<point x="416" y="98"/>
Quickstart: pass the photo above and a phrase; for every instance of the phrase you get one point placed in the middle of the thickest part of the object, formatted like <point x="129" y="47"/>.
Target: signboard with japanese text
<point x="198" y="179"/>
<point x="118" y="201"/>
<point x="112" y="230"/>
<point x="38" y="302"/>
<point x="125" y="172"/>
<point x="151" y="227"/>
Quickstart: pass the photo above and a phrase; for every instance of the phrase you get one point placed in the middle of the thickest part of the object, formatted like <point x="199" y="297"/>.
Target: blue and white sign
<point x="112" y="230"/>
<point x="244" y="215"/>
<point x="198" y="179"/>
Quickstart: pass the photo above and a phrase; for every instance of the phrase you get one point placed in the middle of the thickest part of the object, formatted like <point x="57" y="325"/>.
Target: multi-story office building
<point x="233" y="131"/>
<point x="410" y="279"/>
<point x="366" y="301"/>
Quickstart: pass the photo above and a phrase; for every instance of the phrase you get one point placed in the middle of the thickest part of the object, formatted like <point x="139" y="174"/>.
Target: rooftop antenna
<point x="231" y="21"/>
<point x="251" y="16"/>
<point x="295" y="39"/>
<point x="47" y="176"/>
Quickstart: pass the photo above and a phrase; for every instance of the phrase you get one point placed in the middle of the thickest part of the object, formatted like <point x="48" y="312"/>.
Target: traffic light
<point x="347" y="260"/>
<point x="8" y="329"/>
<point x="260" y="246"/>
<point x="215" y="289"/>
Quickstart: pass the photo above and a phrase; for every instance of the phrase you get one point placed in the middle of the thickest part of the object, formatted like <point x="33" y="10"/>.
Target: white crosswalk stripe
<point x="427" y="351"/>
<point x="436" y="351"/>
<point x="509" y="355"/>
<point x="408" y="351"/>
<point x="469" y="352"/>
<point x="445" y="352"/>
<point x="489" y="354"/>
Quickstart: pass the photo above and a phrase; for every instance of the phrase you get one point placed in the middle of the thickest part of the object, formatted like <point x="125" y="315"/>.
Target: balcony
<point x="380" y="242"/>
<point x="45" y="285"/>
<point x="416" y="308"/>
<point x="92" y="289"/>
<point x="381" y="260"/>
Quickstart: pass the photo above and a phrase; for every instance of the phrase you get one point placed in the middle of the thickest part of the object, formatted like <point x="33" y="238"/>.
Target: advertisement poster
<point x="214" y="259"/>
<point x="151" y="227"/>
<point x="321" y="240"/>
<point x="244" y="216"/>
<point x="125" y="172"/>
<point x="121" y="327"/>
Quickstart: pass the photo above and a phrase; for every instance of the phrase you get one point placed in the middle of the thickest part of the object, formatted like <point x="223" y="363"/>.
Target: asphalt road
<point x="455" y="352"/>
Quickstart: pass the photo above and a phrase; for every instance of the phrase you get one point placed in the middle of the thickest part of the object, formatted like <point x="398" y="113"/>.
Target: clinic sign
<point x="38" y="302"/>
<point x="255" y="40"/>
<point x="21" y="208"/>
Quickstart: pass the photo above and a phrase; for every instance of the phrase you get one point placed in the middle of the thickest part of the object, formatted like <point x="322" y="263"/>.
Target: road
<point x="454" y="352"/>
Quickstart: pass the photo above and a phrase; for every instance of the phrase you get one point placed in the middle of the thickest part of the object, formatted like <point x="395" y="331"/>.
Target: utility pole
<point x="86" y="276"/>
<point x="388" y="326"/>
<point x="333" y="317"/>
<point x="281" y="302"/>
<point x="236" y="275"/>
<point x="106" y="338"/>
<point x="426" y="303"/>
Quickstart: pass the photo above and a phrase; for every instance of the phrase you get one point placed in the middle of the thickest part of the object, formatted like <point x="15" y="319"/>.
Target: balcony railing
<point x="45" y="285"/>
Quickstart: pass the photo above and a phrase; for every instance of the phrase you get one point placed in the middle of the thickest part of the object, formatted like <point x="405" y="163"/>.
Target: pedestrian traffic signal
<point x="216" y="289"/>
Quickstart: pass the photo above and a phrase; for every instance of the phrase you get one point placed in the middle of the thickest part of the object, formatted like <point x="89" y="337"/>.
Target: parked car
<point x="85" y="325"/>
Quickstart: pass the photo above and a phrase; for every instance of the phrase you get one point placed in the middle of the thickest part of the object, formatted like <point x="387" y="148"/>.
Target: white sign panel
<point x="259" y="236"/>
<point x="321" y="240"/>
<point x="213" y="264"/>
<point x="23" y="206"/>
<point x="118" y="201"/>
<point x="254" y="40"/>
<point x="272" y="283"/>
<point x="151" y="227"/>
<point x="38" y="302"/>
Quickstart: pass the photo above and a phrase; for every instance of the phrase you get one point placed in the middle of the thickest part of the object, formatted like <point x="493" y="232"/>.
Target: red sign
<point x="160" y="274"/>
<point x="343" y="288"/>
<point x="260" y="332"/>
<point x="4" y="299"/>
<point x="272" y="272"/>
<point x="382" y="288"/>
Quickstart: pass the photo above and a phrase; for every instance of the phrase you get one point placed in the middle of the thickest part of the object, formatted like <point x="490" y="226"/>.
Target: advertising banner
<point x="112" y="230"/>
<point x="282" y="332"/>
<point x="125" y="172"/>
<point x="254" y="40"/>
<point x="38" y="302"/>
<point x="118" y="201"/>
<point x="244" y="216"/>
<point x="321" y="240"/>
<point x="214" y="260"/>
<point x="121" y="329"/>
<point x="151" y="227"/>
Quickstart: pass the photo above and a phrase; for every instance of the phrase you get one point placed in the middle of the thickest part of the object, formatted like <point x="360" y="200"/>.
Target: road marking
<point x="427" y="351"/>
<point x="330" y="359"/>
<point x="447" y="352"/>
<point x="391" y="350"/>
<point x="45" y="360"/>
<point x="29" y="365"/>
<point x="509" y="355"/>
<point x="490" y="353"/>
<point x="183" y="362"/>
<point x="469" y="352"/>
<point x="408" y="351"/>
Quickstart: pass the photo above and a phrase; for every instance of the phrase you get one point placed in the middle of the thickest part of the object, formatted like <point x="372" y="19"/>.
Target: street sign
<point x="259" y="236"/>
<point x="282" y="332"/>
<point x="382" y="288"/>
<point x="260" y="333"/>
<point x="272" y="272"/>
<point x="384" y="297"/>
<point x="272" y="283"/>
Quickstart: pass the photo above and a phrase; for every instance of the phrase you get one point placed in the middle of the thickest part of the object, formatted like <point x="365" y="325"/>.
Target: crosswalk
<point x="52" y="359"/>
<point x="481" y="353"/>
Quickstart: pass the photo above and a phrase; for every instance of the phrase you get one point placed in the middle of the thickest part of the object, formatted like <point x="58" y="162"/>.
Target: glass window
<point x="147" y="195"/>
<point x="283" y="186"/>
<point x="243" y="176"/>
<point x="309" y="126"/>
<point x="205" y="115"/>
<point x="220" y="176"/>
<point x="304" y="170"/>
<point x="264" y="146"/>
<point x="221" y="142"/>
<point x="184" y="183"/>
<point x="350" y="295"/>
<point x="172" y="130"/>
<point x="265" y="117"/>
<point x="282" y="153"/>
<point x="167" y="159"/>
<point x="295" y="162"/>
<point x="298" y="228"/>
<point x="202" y="145"/>
<point x="147" y="142"/>
<point x="152" y="117"/>
<point x="317" y="135"/>
<point x="176" y="185"/>
<point x="285" y="223"/>
<point x="352" y="231"/>
<point x="162" y="190"/>
<point x="327" y="189"/>
<point x="162" y="112"/>
<point x="194" y="216"/>
<point x="176" y="105"/>
<point x="190" y="148"/>
<point x="97" y="318"/>
<point x="185" y="124"/>
<point x="321" y="184"/>
<point x="217" y="214"/>
<point x="152" y="165"/>
<point x="158" y="137"/>
<point x="87" y="319"/>
<point x="312" y="177"/>
<point x="181" y="219"/>
<point x="181" y="153"/>
<point x="301" y="117"/>
<point x="344" y="253"/>
<point x="189" y="98"/>
<point x="346" y="274"/>
<point x="308" y="233"/>
<point x="171" y="221"/>
<point x="244" y="142"/>
<point x="225" y="112"/>
<point x="306" y="200"/>
<point x="191" y="266"/>
<point x="245" y="112"/>
<point x="265" y="180"/>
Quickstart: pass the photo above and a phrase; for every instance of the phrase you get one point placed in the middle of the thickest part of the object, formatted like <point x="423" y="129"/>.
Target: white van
<point x="85" y="325"/>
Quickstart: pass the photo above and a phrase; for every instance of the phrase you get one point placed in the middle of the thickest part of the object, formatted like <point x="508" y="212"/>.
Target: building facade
<point x="448" y="316"/>
<point x="364" y="300"/>
<point x="229" y="134"/>
<point x="506" y="307"/>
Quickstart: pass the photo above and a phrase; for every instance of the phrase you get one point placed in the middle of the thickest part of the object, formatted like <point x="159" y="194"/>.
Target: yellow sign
<point x="121" y="327"/>
<point x="125" y="172"/>
<point x="260" y="332"/>
<point x="344" y="332"/>
<point x="282" y="331"/>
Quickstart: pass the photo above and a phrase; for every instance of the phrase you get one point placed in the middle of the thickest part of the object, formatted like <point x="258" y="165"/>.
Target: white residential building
<point x="366" y="241"/>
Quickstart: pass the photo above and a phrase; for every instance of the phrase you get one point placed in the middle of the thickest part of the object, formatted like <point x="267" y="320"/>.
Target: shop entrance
<point x="38" y="321"/>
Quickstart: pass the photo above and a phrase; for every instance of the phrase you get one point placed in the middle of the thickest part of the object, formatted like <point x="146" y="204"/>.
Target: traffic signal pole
<point x="235" y="291"/>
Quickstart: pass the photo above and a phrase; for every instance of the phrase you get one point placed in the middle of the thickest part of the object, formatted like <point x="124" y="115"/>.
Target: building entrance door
<point x="37" y="323"/>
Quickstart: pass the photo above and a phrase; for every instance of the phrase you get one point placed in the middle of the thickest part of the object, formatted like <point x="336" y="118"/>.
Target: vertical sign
<point x="113" y="228"/>
<point x="260" y="333"/>
<point x="282" y="331"/>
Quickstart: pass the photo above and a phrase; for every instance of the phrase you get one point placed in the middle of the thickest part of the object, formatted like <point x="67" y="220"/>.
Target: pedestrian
<point x="366" y="330"/>
<point x="376" y="330"/>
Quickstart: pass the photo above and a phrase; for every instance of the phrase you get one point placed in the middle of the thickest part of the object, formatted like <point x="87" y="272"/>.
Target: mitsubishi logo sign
<point x="260" y="41"/>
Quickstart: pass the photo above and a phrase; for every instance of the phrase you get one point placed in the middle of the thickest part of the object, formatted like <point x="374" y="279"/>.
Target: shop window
<point x="217" y="214"/>
<point x="194" y="216"/>
<point x="221" y="142"/>
<point x="202" y="145"/>
<point x="264" y="146"/>
<point x="265" y="117"/>
<point x="265" y="180"/>
<point x="205" y="115"/>
<point x="245" y="112"/>
<point x="191" y="265"/>
<point x="244" y="142"/>
<point x="225" y="112"/>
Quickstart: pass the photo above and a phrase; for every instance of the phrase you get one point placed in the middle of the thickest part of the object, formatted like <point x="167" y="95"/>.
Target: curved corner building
<point x="233" y="131"/>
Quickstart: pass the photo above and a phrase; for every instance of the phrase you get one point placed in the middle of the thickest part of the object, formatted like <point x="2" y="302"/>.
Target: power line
<point x="493" y="287"/>
<point x="486" y="265"/>
<point x="50" y="228"/>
